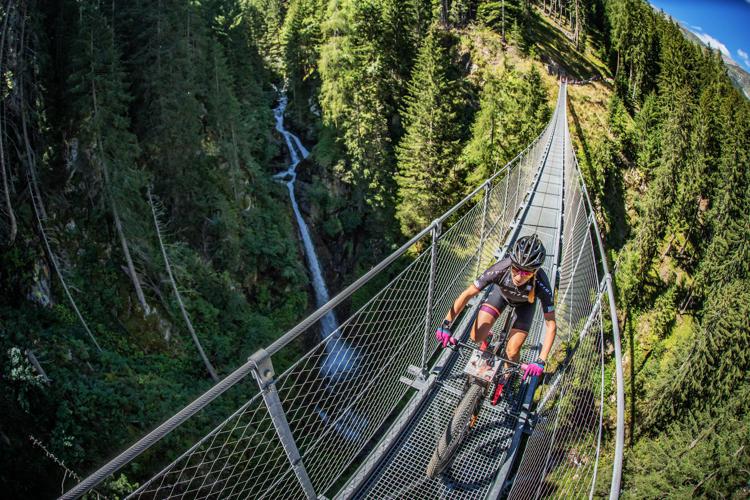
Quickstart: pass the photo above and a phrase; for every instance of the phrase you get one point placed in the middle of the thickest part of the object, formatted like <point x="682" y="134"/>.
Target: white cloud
<point x="743" y="55"/>
<point x="714" y="43"/>
<point x="700" y="28"/>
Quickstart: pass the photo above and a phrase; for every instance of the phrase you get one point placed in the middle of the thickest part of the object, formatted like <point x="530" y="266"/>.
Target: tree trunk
<point x="669" y="247"/>
<point x="115" y="213"/>
<point x="185" y="316"/>
<point x="6" y="188"/>
<point x="126" y="250"/>
<point x="444" y="12"/>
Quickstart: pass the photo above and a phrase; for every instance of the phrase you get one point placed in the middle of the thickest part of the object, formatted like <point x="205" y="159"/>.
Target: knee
<point x="515" y="342"/>
<point x="482" y="326"/>
<point x="512" y="351"/>
<point x="474" y="334"/>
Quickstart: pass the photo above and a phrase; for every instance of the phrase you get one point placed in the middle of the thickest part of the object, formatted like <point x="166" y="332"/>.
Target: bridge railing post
<point x="483" y="227"/>
<point x="430" y="292"/>
<point x="264" y="375"/>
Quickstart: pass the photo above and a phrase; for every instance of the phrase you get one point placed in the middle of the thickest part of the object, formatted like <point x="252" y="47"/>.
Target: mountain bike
<point x="486" y="372"/>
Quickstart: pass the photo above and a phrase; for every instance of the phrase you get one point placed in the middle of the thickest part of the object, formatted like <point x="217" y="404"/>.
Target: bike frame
<point x="493" y="351"/>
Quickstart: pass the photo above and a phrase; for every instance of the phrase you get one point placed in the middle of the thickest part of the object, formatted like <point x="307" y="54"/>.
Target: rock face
<point x="39" y="292"/>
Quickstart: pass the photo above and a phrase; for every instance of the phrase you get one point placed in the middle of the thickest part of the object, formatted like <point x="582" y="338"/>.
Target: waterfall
<point x="298" y="153"/>
<point x="341" y="359"/>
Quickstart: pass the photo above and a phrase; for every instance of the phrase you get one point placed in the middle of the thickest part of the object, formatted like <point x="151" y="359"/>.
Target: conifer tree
<point x="513" y="110"/>
<point x="646" y="133"/>
<point x="353" y="101"/>
<point x="301" y="39"/>
<point x="535" y="104"/>
<point x="171" y="50"/>
<point x="688" y="215"/>
<point x="101" y="97"/>
<point x="728" y="253"/>
<point x="702" y="454"/>
<point x="675" y="144"/>
<point x="707" y="369"/>
<point x="428" y="178"/>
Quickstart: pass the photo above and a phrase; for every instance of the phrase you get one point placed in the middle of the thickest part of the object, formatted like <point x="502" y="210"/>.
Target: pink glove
<point x="534" y="369"/>
<point x="444" y="335"/>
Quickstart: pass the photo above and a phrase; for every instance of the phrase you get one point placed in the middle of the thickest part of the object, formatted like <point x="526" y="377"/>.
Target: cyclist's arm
<point x="549" y="337"/>
<point x="460" y="302"/>
<point x="546" y="297"/>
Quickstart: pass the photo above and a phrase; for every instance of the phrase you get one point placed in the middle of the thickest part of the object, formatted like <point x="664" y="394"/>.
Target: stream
<point x="341" y="359"/>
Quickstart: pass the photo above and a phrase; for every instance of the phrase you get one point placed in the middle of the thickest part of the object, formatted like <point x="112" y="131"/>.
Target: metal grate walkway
<point x="473" y="472"/>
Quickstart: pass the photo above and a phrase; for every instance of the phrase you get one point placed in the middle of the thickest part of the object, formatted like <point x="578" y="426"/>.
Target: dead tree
<point x="172" y="281"/>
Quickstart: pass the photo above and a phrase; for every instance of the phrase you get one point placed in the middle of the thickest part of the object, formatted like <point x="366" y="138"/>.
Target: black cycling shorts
<point x="524" y="312"/>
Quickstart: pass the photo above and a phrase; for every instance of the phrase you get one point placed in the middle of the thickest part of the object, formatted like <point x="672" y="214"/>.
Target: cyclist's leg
<point x="515" y="341"/>
<point x="519" y="332"/>
<point x="488" y="313"/>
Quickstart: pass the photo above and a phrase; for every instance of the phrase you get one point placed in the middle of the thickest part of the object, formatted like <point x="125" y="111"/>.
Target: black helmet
<point x="528" y="253"/>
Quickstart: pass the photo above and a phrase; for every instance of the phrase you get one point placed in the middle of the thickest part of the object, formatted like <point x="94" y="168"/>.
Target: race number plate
<point x="481" y="367"/>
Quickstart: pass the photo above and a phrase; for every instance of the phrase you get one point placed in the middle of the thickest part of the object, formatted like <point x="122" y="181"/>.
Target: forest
<point x="146" y="250"/>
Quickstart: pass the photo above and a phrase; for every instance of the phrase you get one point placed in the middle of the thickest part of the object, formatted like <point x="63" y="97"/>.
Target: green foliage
<point x="142" y="93"/>
<point x="681" y="281"/>
<point x="702" y="455"/>
<point x="709" y="371"/>
<point x="428" y="176"/>
<point x="353" y="92"/>
<point x="178" y="96"/>
<point x="513" y="110"/>
<point x="301" y="38"/>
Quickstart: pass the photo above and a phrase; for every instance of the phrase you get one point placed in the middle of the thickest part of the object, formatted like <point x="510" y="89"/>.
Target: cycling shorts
<point x="524" y="312"/>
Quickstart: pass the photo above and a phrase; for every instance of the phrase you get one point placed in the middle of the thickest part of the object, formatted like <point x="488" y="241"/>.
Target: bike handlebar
<point x="464" y="345"/>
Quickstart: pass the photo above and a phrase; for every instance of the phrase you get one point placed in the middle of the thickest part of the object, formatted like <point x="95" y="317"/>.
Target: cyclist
<point x="517" y="280"/>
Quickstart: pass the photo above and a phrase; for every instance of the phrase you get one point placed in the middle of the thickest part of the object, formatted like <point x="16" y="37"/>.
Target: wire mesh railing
<point x="303" y="429"/>
<point x="561" y="458"/>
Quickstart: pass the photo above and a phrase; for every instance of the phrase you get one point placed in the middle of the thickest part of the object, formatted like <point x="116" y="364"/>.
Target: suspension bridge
<point x="359" y="412"/>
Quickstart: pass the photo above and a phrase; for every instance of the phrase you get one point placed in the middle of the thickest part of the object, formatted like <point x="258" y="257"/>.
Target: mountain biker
<point x="517" y="280"/>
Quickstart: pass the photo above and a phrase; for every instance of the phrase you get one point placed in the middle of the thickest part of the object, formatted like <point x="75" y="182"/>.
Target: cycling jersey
<point x="499" y="275"/>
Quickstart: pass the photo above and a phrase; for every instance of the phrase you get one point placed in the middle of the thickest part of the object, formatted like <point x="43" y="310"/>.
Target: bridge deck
<point x="401" y="472"/>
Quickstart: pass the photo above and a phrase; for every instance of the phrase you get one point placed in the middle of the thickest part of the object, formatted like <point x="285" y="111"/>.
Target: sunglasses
<point x="522" y="273"/>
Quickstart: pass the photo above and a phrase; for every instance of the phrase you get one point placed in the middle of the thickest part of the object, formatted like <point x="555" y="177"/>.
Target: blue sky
<point x="722" y="24"/>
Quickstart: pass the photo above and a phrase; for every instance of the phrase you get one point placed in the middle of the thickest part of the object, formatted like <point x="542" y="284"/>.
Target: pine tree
<point x="701" y="454"/>
<point x="646" y="131"/>
<point x="428" y="179"/>
<point x="513" y="110"/>
<point x="301" y="39"/>
<point x="101" y="97"/>
<point x="535" y="107"/>
<point x="353" y="103"/>
<point x="728" y="254"/>
<point x="170" y="53"/>
<point x="706" y="370"/>
<point x="688" y="215"/>
<point x="675" y="144"/>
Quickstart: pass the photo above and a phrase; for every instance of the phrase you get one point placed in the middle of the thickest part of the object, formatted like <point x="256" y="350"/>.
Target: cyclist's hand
<point x="534" y="369"/>
<point x="444" y="335"/>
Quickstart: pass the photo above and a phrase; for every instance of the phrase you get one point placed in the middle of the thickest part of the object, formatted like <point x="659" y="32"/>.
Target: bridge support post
<point x="430" y="293"/>
<point x="518" y="185"/>
<point x="263" y="372"/>
<point x="505" y="197"/>
<point x="483" y="227"/>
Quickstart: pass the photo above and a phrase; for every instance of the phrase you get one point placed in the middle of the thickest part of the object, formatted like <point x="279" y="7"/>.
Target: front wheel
<point x="455" y="432"/>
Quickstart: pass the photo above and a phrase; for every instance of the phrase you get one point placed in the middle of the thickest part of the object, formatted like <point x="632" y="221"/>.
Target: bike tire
<point x="455" y="432"/>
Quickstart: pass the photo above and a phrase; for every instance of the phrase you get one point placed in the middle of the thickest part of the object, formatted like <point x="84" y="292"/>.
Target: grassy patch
<point x="550" y="41"/>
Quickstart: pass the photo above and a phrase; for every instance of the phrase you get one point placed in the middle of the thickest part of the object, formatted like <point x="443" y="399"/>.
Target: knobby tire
<point x="455" y="431"/>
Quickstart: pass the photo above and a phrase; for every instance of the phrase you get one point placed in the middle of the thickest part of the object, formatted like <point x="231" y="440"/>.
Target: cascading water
<point x="341" y="359"/>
